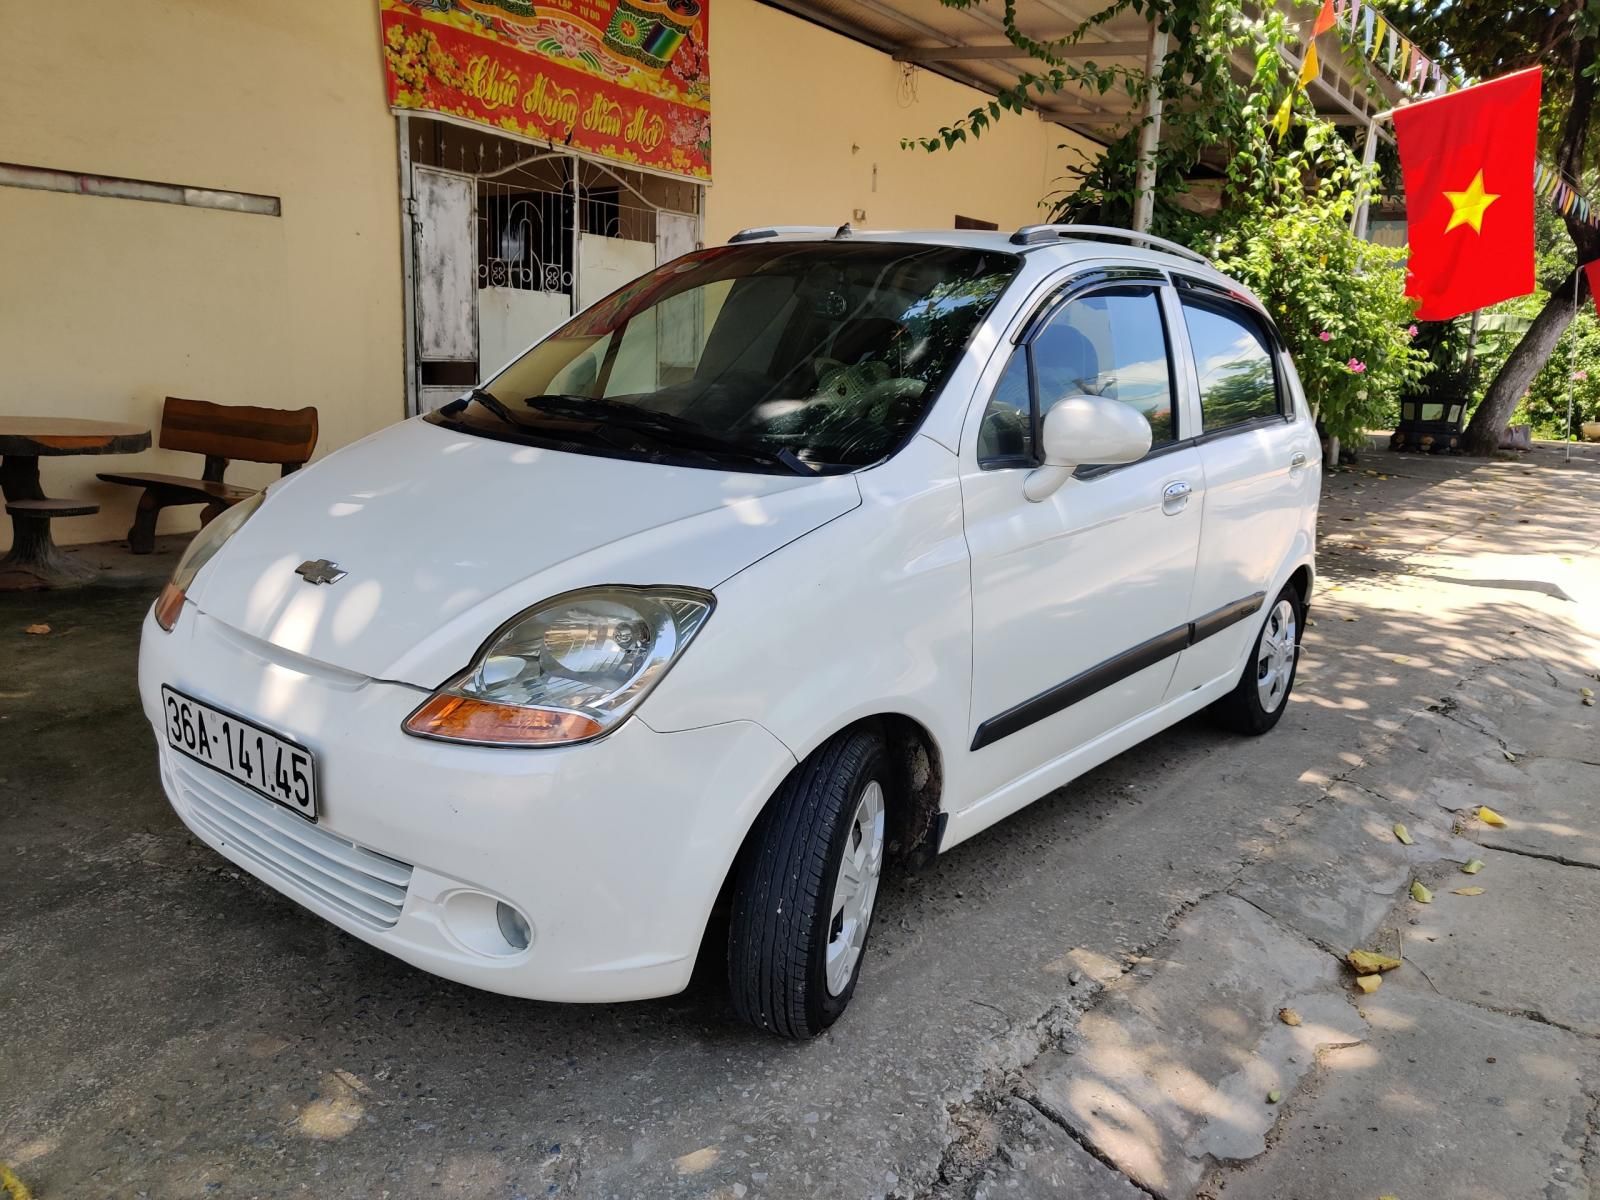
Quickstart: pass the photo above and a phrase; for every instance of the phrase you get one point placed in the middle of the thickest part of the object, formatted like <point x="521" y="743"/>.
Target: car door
<point x="1260" y="456"/>
<point x="1080" y="600"/>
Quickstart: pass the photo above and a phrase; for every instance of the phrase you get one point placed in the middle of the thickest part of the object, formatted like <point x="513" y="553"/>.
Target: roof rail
<point x="1035" y="235"/>
<point x="768" y="231"/>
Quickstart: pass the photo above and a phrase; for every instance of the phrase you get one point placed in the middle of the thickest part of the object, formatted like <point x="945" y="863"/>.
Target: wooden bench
<point x="223" y="433"/>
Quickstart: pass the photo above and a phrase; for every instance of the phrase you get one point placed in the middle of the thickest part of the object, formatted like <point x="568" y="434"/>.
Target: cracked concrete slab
<point x="1443" y="1100"/>
<point x="1171" y="1072"/>
<point x="1336" y="874"/>
<point x="1533" y="702"/>
<point x="1041" y="1161"/>
<point x="1442" y="764"/>
<point x="1526" y="945"/>
<point x="1556" y="811"/>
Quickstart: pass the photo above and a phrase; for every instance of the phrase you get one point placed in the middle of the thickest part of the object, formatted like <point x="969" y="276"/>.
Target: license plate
<point x="275" y="767"/>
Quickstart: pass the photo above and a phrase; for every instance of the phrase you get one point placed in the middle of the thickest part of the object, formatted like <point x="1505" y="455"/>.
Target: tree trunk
<point x="1527" y="360"/>
<point x="1493" y="414"/>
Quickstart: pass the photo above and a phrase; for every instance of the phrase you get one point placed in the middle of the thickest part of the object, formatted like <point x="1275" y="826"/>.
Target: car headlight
<point x="567" y="670"/>
<point x="202" y="549"/>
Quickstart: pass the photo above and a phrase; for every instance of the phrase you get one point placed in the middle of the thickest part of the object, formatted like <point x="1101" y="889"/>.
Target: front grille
<point x="365" y="886"/>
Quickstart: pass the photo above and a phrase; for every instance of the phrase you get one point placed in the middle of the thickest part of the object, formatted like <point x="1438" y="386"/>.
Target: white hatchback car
<point x="794" y="555"/>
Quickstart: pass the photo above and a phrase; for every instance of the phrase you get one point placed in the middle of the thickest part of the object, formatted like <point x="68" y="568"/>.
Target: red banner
<point x="626" y="79"/>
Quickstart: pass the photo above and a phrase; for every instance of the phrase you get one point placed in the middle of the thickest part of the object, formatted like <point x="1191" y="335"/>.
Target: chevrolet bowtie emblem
<point x="320" y="570"/>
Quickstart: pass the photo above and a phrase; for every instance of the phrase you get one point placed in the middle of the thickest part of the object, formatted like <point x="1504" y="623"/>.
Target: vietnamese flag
<point x="1592" y="271"/>
<point x="1467" y="161"/>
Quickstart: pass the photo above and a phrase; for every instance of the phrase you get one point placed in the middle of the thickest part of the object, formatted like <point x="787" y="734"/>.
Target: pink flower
<point x="1580" y="376"/>
<point x="1411" y="331"/>
<point x="1325" y="336"/>
<point x="1356" y="366"/>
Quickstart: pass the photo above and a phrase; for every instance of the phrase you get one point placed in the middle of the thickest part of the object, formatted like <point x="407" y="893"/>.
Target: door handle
<point x="1174" y="497"/>
<point x="1298" y="461"/>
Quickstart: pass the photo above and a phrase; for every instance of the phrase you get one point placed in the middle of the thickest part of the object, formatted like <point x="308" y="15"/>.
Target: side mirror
<point x="1086" y="429"/>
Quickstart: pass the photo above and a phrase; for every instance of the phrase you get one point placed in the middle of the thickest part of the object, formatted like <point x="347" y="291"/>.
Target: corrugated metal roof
<point x="970" y="45"/>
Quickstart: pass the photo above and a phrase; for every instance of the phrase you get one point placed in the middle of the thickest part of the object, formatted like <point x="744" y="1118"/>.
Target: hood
<point x="446" y="535"/>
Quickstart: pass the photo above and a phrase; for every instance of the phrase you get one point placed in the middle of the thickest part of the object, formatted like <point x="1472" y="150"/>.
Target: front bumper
<point x="614" y="851"/>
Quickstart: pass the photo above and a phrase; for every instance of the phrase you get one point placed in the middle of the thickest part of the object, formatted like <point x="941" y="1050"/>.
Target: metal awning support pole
<point x="1150" y="136"/>
<point x="408" y="208"/>
<point x="1369" y="155"/>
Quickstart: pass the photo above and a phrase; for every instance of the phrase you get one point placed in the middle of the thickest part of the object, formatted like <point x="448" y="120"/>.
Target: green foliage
<point x="1486" y="38"/>
<point x="1576" y="358"/>
<point x="1315" y="278"/>
<point x="1282" y="222"/>
<point x="1575" y="363"/>
<point x="1283" y="229"/>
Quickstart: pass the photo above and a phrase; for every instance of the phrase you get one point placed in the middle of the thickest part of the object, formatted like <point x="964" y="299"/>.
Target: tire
<point x="1255" y="705"/>
<point x="793" y="956"/>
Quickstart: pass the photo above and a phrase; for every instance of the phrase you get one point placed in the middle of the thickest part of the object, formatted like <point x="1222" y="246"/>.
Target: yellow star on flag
<point x="1468" y="207"/>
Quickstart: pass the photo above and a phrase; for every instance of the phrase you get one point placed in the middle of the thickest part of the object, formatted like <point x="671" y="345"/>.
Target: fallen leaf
<point x="1472" y="866"/>
<point x="1274" y="1096"/>
<point x="1368" y="983"/>
<point x="1404" y="834"/>
<point x="1419" y="893"/>
<point x="1585" y="691"/>
<point x="1469" y="891"/>
<point x="1510" y="757"/>
<point x="1288" y="1016"/>
<point x="1589" y="701"/>
<point x="1489" y="817"/>
<point x="1352" y="618"/>
<point x="37" y="630"/>
<point x="1370" y="962"/>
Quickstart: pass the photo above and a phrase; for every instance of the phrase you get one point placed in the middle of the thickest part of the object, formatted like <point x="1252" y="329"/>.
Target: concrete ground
<point x="1084" y="1002"/>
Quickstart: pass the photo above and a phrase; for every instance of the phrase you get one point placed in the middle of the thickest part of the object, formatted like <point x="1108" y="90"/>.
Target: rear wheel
<point x="805" y="891"/>
<point x="1257" y="702"/>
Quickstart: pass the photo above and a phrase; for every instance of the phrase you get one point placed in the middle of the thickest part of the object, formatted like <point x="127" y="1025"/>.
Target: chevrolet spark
<point x="796" y="555"/>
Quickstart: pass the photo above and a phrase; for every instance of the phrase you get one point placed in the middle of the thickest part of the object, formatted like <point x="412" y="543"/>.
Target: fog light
<point x="513" y="926"/>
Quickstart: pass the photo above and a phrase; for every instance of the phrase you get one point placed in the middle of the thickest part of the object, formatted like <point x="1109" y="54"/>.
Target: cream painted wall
<point x="108" y="305"/>
<point x="801" y="116"/>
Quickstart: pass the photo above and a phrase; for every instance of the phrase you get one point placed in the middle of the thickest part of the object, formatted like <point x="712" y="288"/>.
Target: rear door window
<point x="1233" y="358"/>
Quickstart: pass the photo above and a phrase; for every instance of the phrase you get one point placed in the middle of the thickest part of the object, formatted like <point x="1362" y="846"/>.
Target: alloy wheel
<point x="856" y="890"/>
<point x="1275" y="656"/>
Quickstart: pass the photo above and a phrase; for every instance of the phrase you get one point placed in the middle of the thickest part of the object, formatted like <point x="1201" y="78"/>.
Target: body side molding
<point x="1113" y="670"/>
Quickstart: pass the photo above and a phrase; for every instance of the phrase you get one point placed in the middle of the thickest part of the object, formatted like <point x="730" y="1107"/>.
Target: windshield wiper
<point x="664" y="427"/>
<point x="460" y="403"/>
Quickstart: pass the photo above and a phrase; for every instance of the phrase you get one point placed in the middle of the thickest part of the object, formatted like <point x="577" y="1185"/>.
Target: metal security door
<point x="445" y="277"/>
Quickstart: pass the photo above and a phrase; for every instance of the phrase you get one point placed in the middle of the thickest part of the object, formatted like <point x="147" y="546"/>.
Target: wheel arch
<point x="1303" y="577"/>
<point x="916" y="818"/>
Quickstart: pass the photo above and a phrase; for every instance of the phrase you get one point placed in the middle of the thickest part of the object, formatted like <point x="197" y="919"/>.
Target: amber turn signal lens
<point x="464" y="719"/>
<point x="168" y="605"/>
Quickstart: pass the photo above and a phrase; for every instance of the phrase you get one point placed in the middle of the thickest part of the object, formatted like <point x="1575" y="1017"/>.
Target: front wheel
<point x="806" y="887"/>
<point x="1257" y="702"/>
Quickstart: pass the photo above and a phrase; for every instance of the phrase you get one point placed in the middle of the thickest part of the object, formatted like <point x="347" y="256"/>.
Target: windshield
<point x="801" y="357"/>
